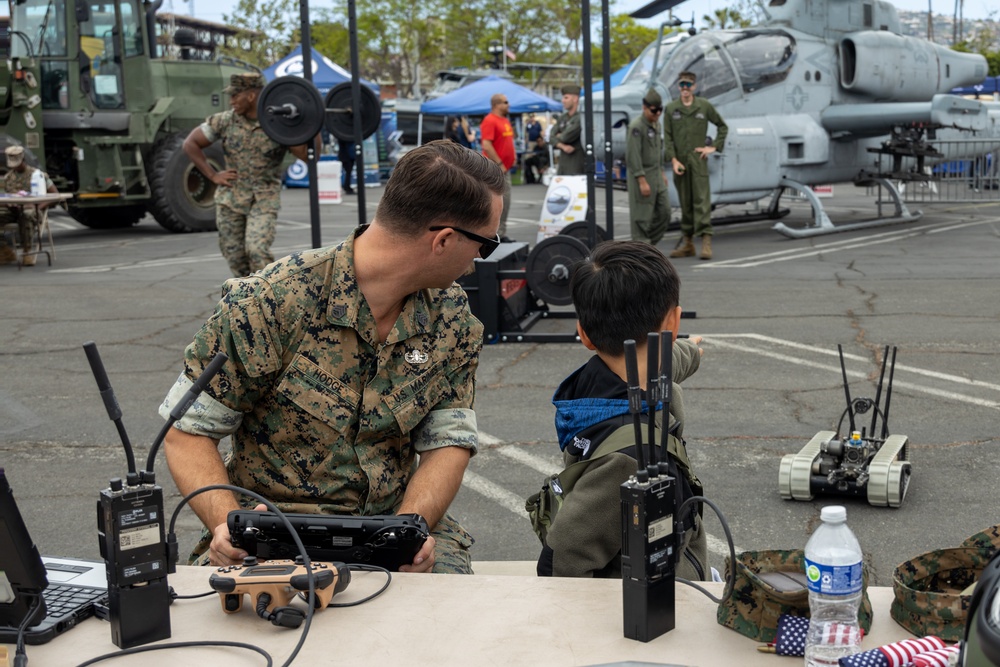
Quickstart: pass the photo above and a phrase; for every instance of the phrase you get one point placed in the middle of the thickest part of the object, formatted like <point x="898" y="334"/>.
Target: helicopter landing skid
<point x="821" y="221"/>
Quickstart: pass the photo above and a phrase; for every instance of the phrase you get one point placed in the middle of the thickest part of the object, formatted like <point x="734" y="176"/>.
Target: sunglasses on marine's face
<point x="487" y="245"/>
<point x="653" y="109"/>
<point x="685" y="84"/>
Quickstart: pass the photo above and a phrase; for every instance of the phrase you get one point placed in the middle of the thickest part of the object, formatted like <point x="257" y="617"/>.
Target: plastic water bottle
<point x="833" y="568"/>
<point x="37" y="183"/>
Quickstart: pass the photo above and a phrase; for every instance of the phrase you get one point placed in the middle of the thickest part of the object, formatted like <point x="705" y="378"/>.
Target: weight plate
<point x="581" y="230"/>
<point x="550" y="266"/>
<point x="290" y="110"/>
<point x="341" y="107"/>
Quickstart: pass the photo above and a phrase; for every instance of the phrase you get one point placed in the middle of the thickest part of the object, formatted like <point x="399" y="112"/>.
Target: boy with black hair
<point x="624" y="290"/>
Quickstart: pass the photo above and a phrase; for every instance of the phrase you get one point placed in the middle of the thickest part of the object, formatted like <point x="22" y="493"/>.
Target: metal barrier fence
<point x="956" y="179"/>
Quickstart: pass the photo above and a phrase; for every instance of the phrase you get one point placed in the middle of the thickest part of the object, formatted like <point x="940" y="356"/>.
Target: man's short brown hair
<point x="440" y="182"/>
<point x="687" y="76"/>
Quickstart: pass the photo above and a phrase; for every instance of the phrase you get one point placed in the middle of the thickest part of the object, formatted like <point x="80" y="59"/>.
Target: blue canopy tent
<point x="474" y="100"/>
<point x="326" y="73"/>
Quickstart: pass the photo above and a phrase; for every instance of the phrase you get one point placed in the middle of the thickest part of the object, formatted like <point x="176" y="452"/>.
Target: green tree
<point x="272" y="20"/>
<point x="725" y="18"/>
<point x="628" y="39"/>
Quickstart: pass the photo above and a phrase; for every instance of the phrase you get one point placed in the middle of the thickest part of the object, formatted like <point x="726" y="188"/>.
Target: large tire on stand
<point x="183" y="200"/>
<point x="108" y="217"/>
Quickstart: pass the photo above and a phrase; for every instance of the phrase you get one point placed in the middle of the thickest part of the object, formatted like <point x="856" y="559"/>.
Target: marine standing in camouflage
<point x="248" y="195"/>
<point x="648" y="196"/>
<point x="568" y="132"/>
<point x="329" y="398"/>
<point x="685" y="127"/>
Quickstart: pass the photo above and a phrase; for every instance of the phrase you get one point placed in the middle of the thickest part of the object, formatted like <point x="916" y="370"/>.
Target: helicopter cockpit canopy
<point x="725" y="61"/>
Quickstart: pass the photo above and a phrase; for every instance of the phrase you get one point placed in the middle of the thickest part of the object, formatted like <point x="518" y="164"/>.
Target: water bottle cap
<point x="834" y="514"/>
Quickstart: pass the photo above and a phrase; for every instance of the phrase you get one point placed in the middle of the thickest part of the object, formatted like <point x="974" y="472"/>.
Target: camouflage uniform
<point x="684" y="129"/>
<point x="246" y="212"/>
<point x="567" y="130"/>
<point x="324" y="417"/>
<point x="26" y="217"/>
<point x="643" y="157"/>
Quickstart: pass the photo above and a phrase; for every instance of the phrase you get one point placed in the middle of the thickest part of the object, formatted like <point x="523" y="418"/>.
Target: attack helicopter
<point x="821" y="91"/>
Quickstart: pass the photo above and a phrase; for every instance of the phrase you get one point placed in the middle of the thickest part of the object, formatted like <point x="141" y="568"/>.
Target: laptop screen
<point x="22" y="574"/>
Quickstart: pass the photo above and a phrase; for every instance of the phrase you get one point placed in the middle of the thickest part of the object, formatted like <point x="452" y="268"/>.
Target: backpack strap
<point x="619" y="439"/>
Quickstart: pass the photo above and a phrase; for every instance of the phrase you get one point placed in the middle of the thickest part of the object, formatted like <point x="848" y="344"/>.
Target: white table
<point x="485" y="619"/>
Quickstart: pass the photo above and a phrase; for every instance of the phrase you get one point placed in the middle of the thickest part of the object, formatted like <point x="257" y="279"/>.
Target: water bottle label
<point x="833" y="579"/>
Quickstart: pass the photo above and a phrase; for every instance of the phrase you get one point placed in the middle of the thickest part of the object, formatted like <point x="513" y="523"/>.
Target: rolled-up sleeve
<point x="450" y="427"/>
<point x="206" y="416"/>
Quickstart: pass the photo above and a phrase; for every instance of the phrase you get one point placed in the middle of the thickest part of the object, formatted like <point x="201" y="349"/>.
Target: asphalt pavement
<point x="771" y="310"/>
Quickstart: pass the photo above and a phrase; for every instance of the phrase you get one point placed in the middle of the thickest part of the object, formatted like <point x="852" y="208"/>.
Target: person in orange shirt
<point x="498" y="145"/>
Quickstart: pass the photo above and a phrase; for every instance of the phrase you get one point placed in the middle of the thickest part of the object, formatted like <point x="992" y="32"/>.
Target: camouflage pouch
<point x="928" y="590"/>
<point x="988" y="539"/>
<point x="769" y="584"/>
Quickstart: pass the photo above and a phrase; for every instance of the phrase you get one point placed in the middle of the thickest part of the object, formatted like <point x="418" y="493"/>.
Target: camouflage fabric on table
<point x="927" y="590"/>
<point x="755" y="605"/>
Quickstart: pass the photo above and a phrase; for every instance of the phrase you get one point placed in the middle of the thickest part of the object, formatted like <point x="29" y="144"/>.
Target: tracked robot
<point x="859" y="464"/>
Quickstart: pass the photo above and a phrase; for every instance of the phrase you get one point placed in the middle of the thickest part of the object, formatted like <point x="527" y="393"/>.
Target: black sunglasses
<point x="654" y="109"/>
<point x="684" y="84"/>
<point x="488" y="245"/>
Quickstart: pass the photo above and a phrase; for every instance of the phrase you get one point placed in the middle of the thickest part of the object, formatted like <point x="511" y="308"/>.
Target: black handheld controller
<point x="648" y="506"/>
<point x="387" y="541"/>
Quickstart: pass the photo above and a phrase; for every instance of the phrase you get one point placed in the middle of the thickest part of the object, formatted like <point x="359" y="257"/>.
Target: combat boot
<point x="706" y="247"/>
<point x="685" y="249"/>
<point x="27" y="260"/>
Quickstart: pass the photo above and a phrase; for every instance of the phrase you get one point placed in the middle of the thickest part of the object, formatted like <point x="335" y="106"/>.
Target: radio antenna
<point x="635" y="399"/>
<point x="888" y="396"/>
<point x="111" y="405"/>
<point x="666" y="387"/>
<point x="878" y="391"/>
<point x="652" y="389"/>
<point x="847" y="389"/>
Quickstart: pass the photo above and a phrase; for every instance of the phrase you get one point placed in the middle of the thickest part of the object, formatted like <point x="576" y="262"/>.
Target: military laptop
<point x="69" y="587"/>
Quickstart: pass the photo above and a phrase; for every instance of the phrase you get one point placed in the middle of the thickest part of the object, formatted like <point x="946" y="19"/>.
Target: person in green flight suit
<point x="648" y="199"/>
<point x="685" y="127"/>
<point x="567" y="134"/>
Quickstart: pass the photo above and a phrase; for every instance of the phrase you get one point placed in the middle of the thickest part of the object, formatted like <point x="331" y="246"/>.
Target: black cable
<point x="20" y="655"/>
<point x="160" y="647"/>
<point x="175" y="596"/>
<point x="361" y="567"/>
<point x="731" y="574"/>
<point x="310" y="576"/>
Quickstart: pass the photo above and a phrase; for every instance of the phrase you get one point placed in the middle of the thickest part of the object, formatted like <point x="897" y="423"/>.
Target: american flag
<point x="935" y="658"/>
<point x="898" y="654"/>
<point x="790" y="638"/>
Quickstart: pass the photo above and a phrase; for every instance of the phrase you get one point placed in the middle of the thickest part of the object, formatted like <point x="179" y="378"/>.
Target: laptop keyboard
<point x="61" y="600"/>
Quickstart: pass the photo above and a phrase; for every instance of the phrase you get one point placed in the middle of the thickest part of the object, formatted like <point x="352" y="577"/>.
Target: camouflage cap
<point x="15" y="155"/>
<point x="570" y="90"/>
<point x="652" y="99"/>
<point x="928" y="590"/>
<point x="240" y="82"/>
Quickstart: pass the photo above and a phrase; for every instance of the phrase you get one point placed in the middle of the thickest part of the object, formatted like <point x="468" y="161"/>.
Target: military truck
<point x="86" y="91"/>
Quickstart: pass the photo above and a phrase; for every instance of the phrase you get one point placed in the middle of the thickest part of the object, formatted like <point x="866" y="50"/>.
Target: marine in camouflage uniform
<point x="249" y="190"/>
<point x="685" y="126"/>
<point x="649" y="211"/>
<point x="329" y="409"/>
<point x="568" y="132"/>
<point x="18" y="179"/>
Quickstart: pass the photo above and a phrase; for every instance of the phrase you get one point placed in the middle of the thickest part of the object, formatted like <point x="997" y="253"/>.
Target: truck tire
<point x="108" y="217"/>
<point x="183" y="200"/>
